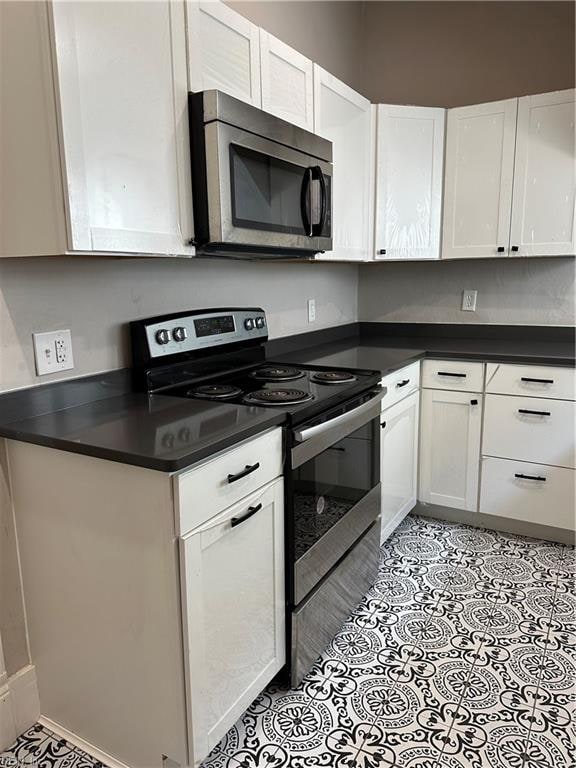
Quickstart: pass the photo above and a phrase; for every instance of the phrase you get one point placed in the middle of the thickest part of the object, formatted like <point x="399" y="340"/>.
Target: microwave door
<point x="258" y="189"/>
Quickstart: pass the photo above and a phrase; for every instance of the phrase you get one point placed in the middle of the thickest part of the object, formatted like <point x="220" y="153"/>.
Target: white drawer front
<point x="530" y="429"/>
<point x="452" y="374"/>
<point x="531" y="380"/>
<point x="206" y="489"/>
<point x="541" y="494"/>
<point x="400" y="384"/>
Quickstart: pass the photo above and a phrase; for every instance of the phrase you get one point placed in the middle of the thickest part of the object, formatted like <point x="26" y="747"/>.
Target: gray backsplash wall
<point x="96" y="298"/>
<point x="510" y="291"/>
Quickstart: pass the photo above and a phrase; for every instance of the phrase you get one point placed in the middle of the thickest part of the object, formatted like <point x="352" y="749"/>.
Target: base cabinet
<point x="399" y="461"/>
<point x="450" y="432"/>
<point x="233" y="612"/>
<point x="534" y="493"/>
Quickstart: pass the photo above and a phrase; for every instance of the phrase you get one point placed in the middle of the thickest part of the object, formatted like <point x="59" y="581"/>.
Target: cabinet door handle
<point x="534" y="413"/>
<point x="248" y="469"/>
<point x="383" y="425"/>
<point x="515" y="248"/>
<point x="501" y="249"/>
<point x="521" y="476"/>
<point x="402" y="383"/>
<point x="449" y="373"/>
<point x="537" y="381"/>
<point x="251" y="511"/>
<point x="473" y="402"/>
<point x="382" y="252"/>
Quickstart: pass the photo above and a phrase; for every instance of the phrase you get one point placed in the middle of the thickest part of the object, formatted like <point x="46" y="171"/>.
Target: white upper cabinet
<point x="287" y="82"/>
<point x="544" y="176"/>
<point x="223" y="51"/>
<point x="478" y="179"/>
<point x="345" y="118"/>
<point x="409" y="166"/>
<point x="121" y="77"/>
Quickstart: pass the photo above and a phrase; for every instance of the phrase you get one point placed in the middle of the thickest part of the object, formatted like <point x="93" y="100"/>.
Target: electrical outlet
<point x="53" y="352"/>
<point x="311" y="310"/>
<point x="469" y="300"/>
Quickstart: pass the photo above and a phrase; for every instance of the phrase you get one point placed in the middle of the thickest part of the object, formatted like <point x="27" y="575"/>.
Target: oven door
<point x="335" y="489"/>
<point x="265" y="195"/>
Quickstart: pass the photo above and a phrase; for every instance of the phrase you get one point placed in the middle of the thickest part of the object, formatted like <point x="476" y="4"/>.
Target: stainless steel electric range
<point x="332" y="464"/>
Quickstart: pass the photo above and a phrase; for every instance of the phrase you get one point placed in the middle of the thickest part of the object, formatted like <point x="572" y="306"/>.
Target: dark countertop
<point x="99" y="416"/>
<point x="388" y="354"/>
<point x="134" y="428"/>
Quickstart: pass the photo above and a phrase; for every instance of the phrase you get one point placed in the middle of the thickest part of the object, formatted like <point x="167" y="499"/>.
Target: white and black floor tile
<point x="461" y="655"/>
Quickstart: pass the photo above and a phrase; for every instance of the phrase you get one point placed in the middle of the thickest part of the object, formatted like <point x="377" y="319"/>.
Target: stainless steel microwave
<point x="261" y="187"/>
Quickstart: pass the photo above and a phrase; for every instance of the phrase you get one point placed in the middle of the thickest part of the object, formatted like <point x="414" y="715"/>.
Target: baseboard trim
<point x="85" y="746"/>
<point x="19" y="705"/>
<point x="496" y="523"/>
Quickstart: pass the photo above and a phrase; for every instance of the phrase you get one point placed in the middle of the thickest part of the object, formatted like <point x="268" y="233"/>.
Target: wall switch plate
<point x="311" y="310"/>
<point x="53" y="352"/>
<point x="469" y="300"/>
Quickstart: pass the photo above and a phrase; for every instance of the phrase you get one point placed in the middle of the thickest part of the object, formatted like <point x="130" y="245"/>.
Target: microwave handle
<point x="305" y="201"/>
<point x="319" y="176"/>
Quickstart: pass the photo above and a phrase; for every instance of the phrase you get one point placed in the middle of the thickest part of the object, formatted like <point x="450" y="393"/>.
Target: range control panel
<point x="200" y="331"/>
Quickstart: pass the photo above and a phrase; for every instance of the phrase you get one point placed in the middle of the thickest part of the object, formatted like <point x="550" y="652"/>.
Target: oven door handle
<point x="300" y="436"/>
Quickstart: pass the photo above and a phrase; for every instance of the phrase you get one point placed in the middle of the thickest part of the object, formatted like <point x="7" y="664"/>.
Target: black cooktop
<point x="300" y="391"/>
<point x="219" y="355"/>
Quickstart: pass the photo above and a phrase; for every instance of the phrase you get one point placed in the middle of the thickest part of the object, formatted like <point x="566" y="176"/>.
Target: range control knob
<point x="180" y="333"/>
<point x="260" y="322"/>
<point x="162" y="336"/>
<point x="249" y="324"/>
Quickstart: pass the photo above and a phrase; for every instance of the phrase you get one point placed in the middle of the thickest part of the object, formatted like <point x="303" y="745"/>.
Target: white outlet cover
<point x="469" y="297"/>
<point x="311" y="310"/>
<point x="53" y="352"/>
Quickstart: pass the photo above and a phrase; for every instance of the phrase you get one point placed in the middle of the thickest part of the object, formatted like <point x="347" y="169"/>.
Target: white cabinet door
<point x="409" y="168"/>
<point x="345" y="118"/>
<point x="121" y="71"/>
<point x="287" y="82"/>
<point x="398" y="461"/>
<point x="450" y="428"/>
<point x="233" y="612"/>
<point x="478" y="179"/>
<point x="544" y="176"/>
<point x="223" y="51"/>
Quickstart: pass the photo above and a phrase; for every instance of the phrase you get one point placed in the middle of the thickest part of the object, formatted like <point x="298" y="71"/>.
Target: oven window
<point x="329" y="485"/>
<point x="265" y="192"/>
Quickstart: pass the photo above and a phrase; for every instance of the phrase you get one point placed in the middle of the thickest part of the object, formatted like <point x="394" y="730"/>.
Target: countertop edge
<point x="167" y="466"/>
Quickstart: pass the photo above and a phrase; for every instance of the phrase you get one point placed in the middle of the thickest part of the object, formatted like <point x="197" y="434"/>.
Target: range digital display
<point x="213" y="326"/>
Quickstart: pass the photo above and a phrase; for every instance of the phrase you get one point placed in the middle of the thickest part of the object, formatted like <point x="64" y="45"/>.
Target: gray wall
<point x="452" y="53"/>
<point x="511" y="291"/>
<point x="96" y="298"/>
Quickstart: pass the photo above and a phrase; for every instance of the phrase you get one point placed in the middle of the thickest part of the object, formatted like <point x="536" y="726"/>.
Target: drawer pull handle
<point x="251" y="511"/>
<point x="403" y="383"/>
<point x="534" y="413"/>
<point x="530" y="477"/>
<point x="537" y="381"/>
<point x="449" y="373"/>
<point x="473" y="402"/>
<point x="248" y="469"/>
<point x="383" y="425"/>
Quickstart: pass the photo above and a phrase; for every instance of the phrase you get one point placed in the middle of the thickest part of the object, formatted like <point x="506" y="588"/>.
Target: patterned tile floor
<point x="462" y="655"/>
